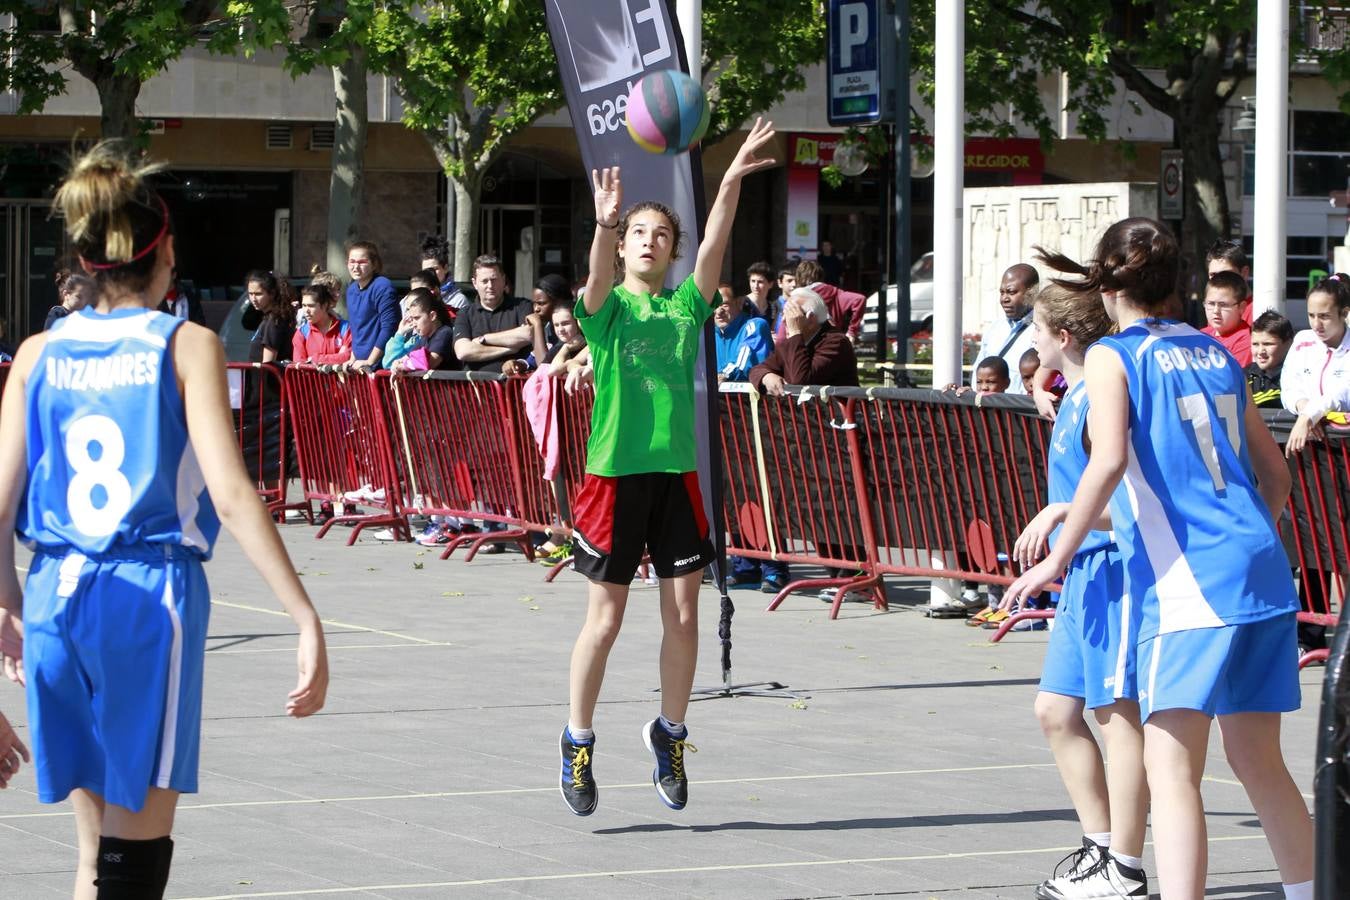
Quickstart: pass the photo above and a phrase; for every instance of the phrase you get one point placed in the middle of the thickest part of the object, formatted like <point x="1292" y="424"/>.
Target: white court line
<point x="334" y="622"/>
<point x="1233" y="783"/>
<point x="331" y="648"/>
<point x="644" y="785"/>
<point x="681" y="870"/>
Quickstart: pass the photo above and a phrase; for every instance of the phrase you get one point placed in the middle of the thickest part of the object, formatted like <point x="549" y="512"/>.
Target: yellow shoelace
<point x="579" y="762"/>
<point x="677" y="757"/>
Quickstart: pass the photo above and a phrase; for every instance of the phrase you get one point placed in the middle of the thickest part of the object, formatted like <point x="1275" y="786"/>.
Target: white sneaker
<point x="375" y="496"/>
<point x="384" y="534"/>
<point x="1077" y="862"/>
<point x="360" y="495"/>
<point x="1106" y="880"/>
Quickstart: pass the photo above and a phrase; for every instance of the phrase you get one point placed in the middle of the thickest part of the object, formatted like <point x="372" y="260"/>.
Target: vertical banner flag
<point x="604" y="47"/>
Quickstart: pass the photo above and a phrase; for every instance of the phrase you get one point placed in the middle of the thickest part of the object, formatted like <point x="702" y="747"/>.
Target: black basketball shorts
<point x="617" y="518"/>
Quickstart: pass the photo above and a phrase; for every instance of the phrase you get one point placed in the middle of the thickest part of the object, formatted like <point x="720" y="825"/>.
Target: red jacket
<point x="327" y="348"/>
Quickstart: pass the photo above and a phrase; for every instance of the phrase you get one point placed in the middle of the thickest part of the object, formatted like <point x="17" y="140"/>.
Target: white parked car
<point x="920" y="302"/>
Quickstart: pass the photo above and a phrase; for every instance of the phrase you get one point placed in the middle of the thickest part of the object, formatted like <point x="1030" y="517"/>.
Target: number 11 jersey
<point x="110" y="467"/>
<point x="1199" y="545"/>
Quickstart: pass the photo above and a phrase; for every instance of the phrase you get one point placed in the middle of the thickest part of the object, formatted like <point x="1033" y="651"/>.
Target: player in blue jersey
<point x="1089" y="663"/>
<point x="119" y="463"/>
<point x="1200" y="479"/>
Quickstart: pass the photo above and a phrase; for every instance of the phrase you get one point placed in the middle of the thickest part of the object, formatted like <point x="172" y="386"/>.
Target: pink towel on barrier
<point x="539" y="395"/>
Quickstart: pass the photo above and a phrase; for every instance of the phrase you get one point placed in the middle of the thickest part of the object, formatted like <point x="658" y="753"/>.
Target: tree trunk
<point x="117" y="95"/>
<point x="347" y="184"/>
<point x="468" y="191"/>
<point x="1206" y="193"/>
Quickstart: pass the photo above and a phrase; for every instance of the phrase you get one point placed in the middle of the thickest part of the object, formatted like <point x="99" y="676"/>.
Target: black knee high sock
<point x="133" y="870"/>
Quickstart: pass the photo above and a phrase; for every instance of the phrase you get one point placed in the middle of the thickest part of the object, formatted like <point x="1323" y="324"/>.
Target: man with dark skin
<point x="1010" y="335"/>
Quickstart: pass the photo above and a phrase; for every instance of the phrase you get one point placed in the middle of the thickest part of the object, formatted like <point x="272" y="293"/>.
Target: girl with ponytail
<point x="1190" y="472"/>
<point x="119" y="464"/>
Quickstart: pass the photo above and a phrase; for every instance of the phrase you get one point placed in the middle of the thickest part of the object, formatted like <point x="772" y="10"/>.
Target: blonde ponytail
<point x="113" y="216"/>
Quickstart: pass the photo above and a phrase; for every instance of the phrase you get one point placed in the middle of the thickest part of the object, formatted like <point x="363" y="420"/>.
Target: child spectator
<point x="75" y="291"/>
<point x="550" y="292"/>
<point x="1272" y="336"/>
<point x="1225" y="305"/>
<point x="758" y="301"/>
<point x="322" y="339"/>
<point x="429" y="321"/>
<point x="992" y="376"/>
<point x="1029" y="365"/>
<point x="569" y="347"/>
<point x="405" y="340"/>
<point x="425" y="279"/>
<point x="1227" y="255"/>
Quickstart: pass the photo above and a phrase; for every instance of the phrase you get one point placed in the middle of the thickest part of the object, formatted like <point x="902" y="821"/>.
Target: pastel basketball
<point x="667" y="112"/>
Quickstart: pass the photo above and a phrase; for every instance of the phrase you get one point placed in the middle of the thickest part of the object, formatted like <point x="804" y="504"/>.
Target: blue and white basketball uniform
<point x="116" y="603"/>
<point x="1091" y="653"/>
<point x="1202" y="555"/>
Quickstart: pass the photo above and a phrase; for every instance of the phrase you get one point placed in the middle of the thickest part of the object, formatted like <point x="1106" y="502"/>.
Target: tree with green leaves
<point x="117" y="45"/>
<point x="472" y="73"/>
<point x="342" y="36"/>
<point x="1184" y="60"/>
<point x="754" y="53"/>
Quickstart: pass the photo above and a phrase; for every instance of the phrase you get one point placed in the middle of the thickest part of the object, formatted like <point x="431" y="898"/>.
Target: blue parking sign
<point x="860" y="81"/>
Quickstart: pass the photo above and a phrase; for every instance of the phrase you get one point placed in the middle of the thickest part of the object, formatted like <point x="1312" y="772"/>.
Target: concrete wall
<point x="1002" y="225"/>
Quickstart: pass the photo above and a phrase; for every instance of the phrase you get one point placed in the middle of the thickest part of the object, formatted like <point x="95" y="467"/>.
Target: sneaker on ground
<point x="672" y="785"/>
<point x="578" y="787"/>
<point x="1030" y="625"/>
<point x="1106" y="880"/>
<point x="384" y="534"/>
<point x="971" y="600"/>
<point x="827" y="595"/>
<point x="360" y="495"/>
<point x="946" y="608"/>
<point x="436" y="535"/>
<point x="1073" y="865"/>
<point x="770" y="586"/>
<point x="375" y="496"/>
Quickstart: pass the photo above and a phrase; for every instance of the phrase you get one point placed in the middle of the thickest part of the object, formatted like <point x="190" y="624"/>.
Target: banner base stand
<point x="744" y="689"/>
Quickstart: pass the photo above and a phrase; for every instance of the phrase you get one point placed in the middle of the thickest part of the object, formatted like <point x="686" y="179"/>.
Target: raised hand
<point x="608" y="196"/>
<point x="747" y="159"/>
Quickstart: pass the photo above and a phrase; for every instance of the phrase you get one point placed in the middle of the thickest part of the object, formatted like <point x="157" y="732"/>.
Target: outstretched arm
<point x="708" y="265"/>
<point x="608" y="201"/>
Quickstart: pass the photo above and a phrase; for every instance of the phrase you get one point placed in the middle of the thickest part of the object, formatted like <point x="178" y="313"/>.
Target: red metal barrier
<point x="791" y="489"/>
<point x="343" y="444"/>
<point x="259" y="403"/>
<point x="455" y="455"/>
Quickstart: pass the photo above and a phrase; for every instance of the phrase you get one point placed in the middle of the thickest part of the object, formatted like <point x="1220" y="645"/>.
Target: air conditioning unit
<point x="278" y="137"/>
<point x="321" y="137"/>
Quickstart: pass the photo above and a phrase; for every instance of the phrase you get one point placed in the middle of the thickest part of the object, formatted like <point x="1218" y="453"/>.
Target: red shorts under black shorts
<point x="617" y="518"/>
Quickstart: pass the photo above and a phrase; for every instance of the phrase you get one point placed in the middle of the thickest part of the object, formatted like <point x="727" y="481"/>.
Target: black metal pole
<point x="1331" y="777"/>
<point x="883" y="253"/>
<point x="902" y="195"/>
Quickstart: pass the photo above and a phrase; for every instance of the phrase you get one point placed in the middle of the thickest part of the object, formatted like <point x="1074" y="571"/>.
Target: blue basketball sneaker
<point x="671" y="783"/>
<point x="578" y="787"/>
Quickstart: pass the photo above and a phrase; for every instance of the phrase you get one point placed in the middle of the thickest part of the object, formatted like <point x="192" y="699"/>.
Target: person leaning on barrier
<point x="813" y="351"/>
<point x="494" y="329"/>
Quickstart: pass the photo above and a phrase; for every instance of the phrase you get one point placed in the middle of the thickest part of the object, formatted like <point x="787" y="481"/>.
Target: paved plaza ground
<point x="910" y="765"/>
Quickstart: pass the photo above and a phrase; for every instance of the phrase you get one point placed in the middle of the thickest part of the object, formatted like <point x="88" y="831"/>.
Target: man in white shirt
<point x="1010" y="334"/>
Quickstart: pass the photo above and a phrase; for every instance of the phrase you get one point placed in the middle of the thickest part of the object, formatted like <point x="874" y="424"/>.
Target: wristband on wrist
<point x="609" y="227"/>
